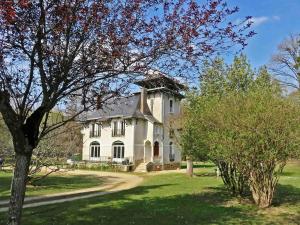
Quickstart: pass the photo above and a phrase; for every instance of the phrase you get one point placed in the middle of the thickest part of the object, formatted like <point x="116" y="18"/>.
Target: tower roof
<point x="156" y="79"/>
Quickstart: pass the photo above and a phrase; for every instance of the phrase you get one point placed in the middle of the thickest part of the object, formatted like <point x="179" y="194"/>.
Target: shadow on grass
<point x="210" y="174"/>
<point x="127" y="207"/>
<point x="53" y="184"/>
<point x="5" y="180"/>
<point x="286" y="194"/>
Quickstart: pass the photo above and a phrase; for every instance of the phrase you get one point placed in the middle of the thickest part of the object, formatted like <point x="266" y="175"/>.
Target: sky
<point x="273" y="21"/>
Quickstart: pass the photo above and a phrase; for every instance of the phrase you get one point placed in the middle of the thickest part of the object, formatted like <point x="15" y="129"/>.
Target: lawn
<point x="54" y="183"/>
<point x="171" y="199"/>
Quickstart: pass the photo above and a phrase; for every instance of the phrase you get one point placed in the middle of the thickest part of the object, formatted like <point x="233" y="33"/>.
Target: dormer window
<point x="171" y="106"/>
<point x="95" y="130"/>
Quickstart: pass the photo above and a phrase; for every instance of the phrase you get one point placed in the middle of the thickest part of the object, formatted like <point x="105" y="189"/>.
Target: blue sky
<point x="273" y="20"/>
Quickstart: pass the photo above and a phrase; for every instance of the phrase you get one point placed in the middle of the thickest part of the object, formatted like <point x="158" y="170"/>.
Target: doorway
<point x="156" y="149"/>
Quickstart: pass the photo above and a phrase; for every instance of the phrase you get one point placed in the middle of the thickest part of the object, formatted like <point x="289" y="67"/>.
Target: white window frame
<point x="118" y="128"/>
<point x="95" y="130"/>
<point x="95" y="151"/>
<point x="118" y="150"/>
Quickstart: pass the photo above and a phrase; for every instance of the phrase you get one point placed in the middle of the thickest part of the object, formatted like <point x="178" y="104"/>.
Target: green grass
<point x="171" y="199"/>
<point x="54" y="183"/>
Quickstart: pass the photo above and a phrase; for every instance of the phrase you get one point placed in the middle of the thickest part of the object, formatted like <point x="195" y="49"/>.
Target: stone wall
<point x="172" y="166"/>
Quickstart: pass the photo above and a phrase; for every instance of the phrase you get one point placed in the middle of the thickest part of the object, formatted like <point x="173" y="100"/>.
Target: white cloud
<point x="256" y="21"/>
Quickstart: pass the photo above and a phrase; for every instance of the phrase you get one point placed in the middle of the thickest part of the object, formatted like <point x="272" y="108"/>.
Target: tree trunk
<point x="189" y="166"/>
<point x="18" y="188"/>
<point x="262" y="186"/>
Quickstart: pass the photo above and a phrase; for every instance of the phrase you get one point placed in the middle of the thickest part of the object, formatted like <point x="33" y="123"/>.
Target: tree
<point x="237" y="77"/>
<point x="251" y="130"/>
<point x="185" y="134"/>
<point x="285" y="63"/>
<point x="53" y="151"/>
<point x="261" y="128"/>
<point x="51" y="51"/>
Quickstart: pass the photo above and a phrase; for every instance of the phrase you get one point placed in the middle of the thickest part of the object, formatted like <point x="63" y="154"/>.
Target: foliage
<point x="249" y="128"/>
<point x="186" y="135"/>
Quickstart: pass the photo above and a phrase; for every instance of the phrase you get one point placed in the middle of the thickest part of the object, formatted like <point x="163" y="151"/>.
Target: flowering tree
<point x="52" y="51"/>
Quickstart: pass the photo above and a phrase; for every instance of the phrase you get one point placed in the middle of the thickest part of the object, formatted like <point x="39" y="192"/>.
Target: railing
<point x="118" y="132"/>
<point x="108" y="159"/>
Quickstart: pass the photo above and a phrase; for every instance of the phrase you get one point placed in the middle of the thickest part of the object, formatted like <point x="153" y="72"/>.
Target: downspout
<point x="163" y="122"/>
<point x="133" y="139"/>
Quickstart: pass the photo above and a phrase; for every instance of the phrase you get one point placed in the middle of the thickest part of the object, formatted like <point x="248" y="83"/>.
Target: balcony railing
<point x="118" y="132"/>
<point x="111" y="160"/>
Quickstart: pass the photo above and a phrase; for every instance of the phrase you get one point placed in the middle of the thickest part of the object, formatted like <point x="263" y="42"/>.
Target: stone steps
<point x="142" y="168"/>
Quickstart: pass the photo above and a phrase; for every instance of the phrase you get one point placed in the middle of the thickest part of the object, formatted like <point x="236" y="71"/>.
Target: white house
<point x="136" y="129"/>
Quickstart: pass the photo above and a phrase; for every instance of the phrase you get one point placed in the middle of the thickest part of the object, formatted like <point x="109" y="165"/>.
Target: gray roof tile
<point x="124" y="107"/>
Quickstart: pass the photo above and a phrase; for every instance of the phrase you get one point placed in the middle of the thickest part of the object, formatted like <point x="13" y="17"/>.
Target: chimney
<point x="143" y="100"/>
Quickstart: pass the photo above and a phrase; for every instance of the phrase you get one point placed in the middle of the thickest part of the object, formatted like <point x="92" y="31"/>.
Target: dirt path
<point x="114" y="182"/>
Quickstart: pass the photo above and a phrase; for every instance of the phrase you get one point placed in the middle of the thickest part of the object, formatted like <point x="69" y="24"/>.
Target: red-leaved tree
<point x="53" y="51"/>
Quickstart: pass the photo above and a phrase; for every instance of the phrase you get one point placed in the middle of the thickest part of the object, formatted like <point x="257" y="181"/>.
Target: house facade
<point x="136" y="129"/>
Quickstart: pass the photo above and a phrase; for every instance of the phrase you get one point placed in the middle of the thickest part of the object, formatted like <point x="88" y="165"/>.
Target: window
<point x="157" y="130"/>
<point x="171" y="106"/>
<point x="171" y="133"/>
<point x="118" y="149"/>
<point x="118" y="128"/>
<point x="94" y="150"/>
<point x="172" y="155"/>
<point x="95" y="130"/>
<point x="151" y="104"/>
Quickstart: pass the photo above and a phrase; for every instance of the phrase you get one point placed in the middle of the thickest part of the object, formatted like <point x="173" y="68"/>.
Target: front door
<point x="156" y="149"/>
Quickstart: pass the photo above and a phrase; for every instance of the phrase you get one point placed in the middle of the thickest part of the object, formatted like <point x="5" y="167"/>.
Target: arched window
<point x="172" y="155"/>
<point x="118" y="149"/>
<point x="95" y="150"/>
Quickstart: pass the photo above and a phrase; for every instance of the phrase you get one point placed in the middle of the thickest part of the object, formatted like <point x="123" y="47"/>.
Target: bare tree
<point x="52" y="51"/>
<point x="285" y="63"/>
<point x="53" y="151"/>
